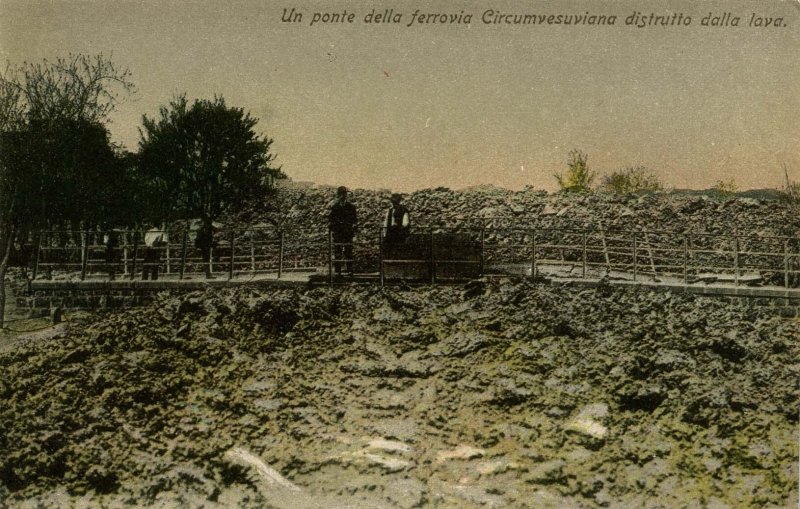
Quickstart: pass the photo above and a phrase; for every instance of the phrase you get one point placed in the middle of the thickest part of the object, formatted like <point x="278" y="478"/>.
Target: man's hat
<point x="396" y="197"/>
<point x="341" y="190"/>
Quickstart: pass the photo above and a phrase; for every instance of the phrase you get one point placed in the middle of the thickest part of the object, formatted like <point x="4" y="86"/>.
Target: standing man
<point x="205" y="242"/>
<point x="343" y="222"/>
<point x="111" y="241"/>
<point x="397" y="223"/>
<point x="154" y="240"/>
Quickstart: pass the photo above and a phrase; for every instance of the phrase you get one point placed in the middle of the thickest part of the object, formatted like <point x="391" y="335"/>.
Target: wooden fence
<point x="432" y="254"/>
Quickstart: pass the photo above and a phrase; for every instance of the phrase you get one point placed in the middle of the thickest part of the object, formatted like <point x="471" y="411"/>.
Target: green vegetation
<point x="59" y="168"/>
<point x="790" y="192"/>
<point x="205" y="159"/>
<point x="578" y="177"/>
<point x="726" y="187"/>
<point x="631" y="180"/>
<point x="57" y="164"/>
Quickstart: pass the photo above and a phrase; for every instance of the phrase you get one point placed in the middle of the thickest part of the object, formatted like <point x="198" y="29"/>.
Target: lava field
<point x="493" y="394"/>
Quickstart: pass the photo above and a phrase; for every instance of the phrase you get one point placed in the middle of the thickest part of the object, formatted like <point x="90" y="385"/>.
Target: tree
<point x="127" y="203"/>
<point x="54" y="146"/>
<point x="631" y="180"/>
<point x="9" y="211"/>
<point x="75" y="171"/>
<point x="12" y="111"/>
<point x="578" y="177"/>
<point x="725" y="188"/>
<point x="790" y="192"/>
<point x="205" y="159"/>
<point x="79" y="87"/>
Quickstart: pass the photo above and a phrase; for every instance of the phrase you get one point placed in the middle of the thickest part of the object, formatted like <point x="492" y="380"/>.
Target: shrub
<point x="790" y="193"/>
<point x="726" y="187"/>
<point x="578" y="177"/>
<point x="631" y="180"/>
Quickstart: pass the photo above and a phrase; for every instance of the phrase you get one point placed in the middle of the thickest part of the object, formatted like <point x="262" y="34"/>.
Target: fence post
<point x="736" y="260"/>
<point x="252" y="252"/>
<point x="583" y="235"/>
<point x="330" y="257"/>
<point x="533" y="256"/>
<point x="650" y="255"/>
<point x="483" y="245"/>
<point x="605" y="247"/>
<point x="280" y="254"/>
<point x="167" y="253"/>
<point x="634" y="257"/>
<point x="786" y="263"/>
<point x="135" y="254"/>
<point x="232" y="243"/>
<point x="432" y="260"/>
<point x="184" y="240"/>
<point x="380" y="255"/>
<point x="84" y="253"/>
<point x="685" y="259"/>
<point x="36" y="256"/>
<point x="125" y="253"/>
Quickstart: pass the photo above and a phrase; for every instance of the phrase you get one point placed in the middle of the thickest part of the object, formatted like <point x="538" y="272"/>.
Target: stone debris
<point x="587" y="427"/>
<point x="462" y="452"/>
<point x="587" y="421"/>
<point x="365" y="457"/>
<point x="497" y="394"/>
<point x="388" y="464"/>
<point x="267" y="473"/>
<point x="391" y="446"/>
<point x="382" y="453"/>
<point x="494" y="467"/>
<point x="492" y="207"/>
<point x="501" y="211"/>
<point x="547" y="472"/>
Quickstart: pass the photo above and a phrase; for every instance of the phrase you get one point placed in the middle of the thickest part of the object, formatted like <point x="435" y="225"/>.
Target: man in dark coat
<point x="204" y="242"/>
<point x="111" y="241"/>
<point x="396" y="223"/>
<point x="343" y="223"/>
<point x="154" y="242"/>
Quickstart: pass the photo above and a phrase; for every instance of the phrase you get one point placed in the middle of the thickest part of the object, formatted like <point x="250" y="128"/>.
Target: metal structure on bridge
<point x="428" y="255"/>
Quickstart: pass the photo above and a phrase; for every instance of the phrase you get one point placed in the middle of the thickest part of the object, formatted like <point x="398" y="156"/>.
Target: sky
<point x="387" y="105"/>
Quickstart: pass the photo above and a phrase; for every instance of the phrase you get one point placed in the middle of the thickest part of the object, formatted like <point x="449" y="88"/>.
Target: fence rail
<point x="434" y="254"/>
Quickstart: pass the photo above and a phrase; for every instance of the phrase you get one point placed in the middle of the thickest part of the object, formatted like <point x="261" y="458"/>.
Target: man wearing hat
<point x="154" y="240"/>
<point x="343" y="222"/>
<point x="397" y="223"/>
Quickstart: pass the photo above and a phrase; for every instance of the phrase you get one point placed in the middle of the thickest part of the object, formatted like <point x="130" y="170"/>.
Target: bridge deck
<point x="709" y="284"/>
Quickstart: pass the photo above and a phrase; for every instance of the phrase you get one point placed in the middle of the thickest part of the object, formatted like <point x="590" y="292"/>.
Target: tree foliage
<point x="726" y="187"/>
<point x="205" y="159"/>
<point x="78" y="87"/>
<point x="631" y="180"/>
<point x="56" y="161"/>
<point x="578" y="177"/>
<point x="76" y="172"/>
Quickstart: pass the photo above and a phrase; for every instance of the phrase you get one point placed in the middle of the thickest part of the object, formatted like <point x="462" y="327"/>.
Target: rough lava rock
<point x="500" y="394"/>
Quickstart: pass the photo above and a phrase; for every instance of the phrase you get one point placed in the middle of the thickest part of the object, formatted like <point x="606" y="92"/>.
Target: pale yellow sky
<point x="402" y="107"/>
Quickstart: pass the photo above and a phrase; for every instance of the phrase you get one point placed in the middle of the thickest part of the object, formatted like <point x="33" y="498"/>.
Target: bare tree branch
<point x="77" y="87"/>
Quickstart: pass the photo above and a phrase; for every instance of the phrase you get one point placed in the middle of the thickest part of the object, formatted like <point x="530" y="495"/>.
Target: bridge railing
<point x="656" y="255"/>
<point x="434" y="254"/>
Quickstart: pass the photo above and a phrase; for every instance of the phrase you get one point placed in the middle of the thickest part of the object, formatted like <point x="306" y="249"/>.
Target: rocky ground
<point x="495" y="394"/>
<point x="667" y="216"/>
<point x="496" y="207"/>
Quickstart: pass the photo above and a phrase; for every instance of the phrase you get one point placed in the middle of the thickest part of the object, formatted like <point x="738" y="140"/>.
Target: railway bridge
<point x="79" y="269"/>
